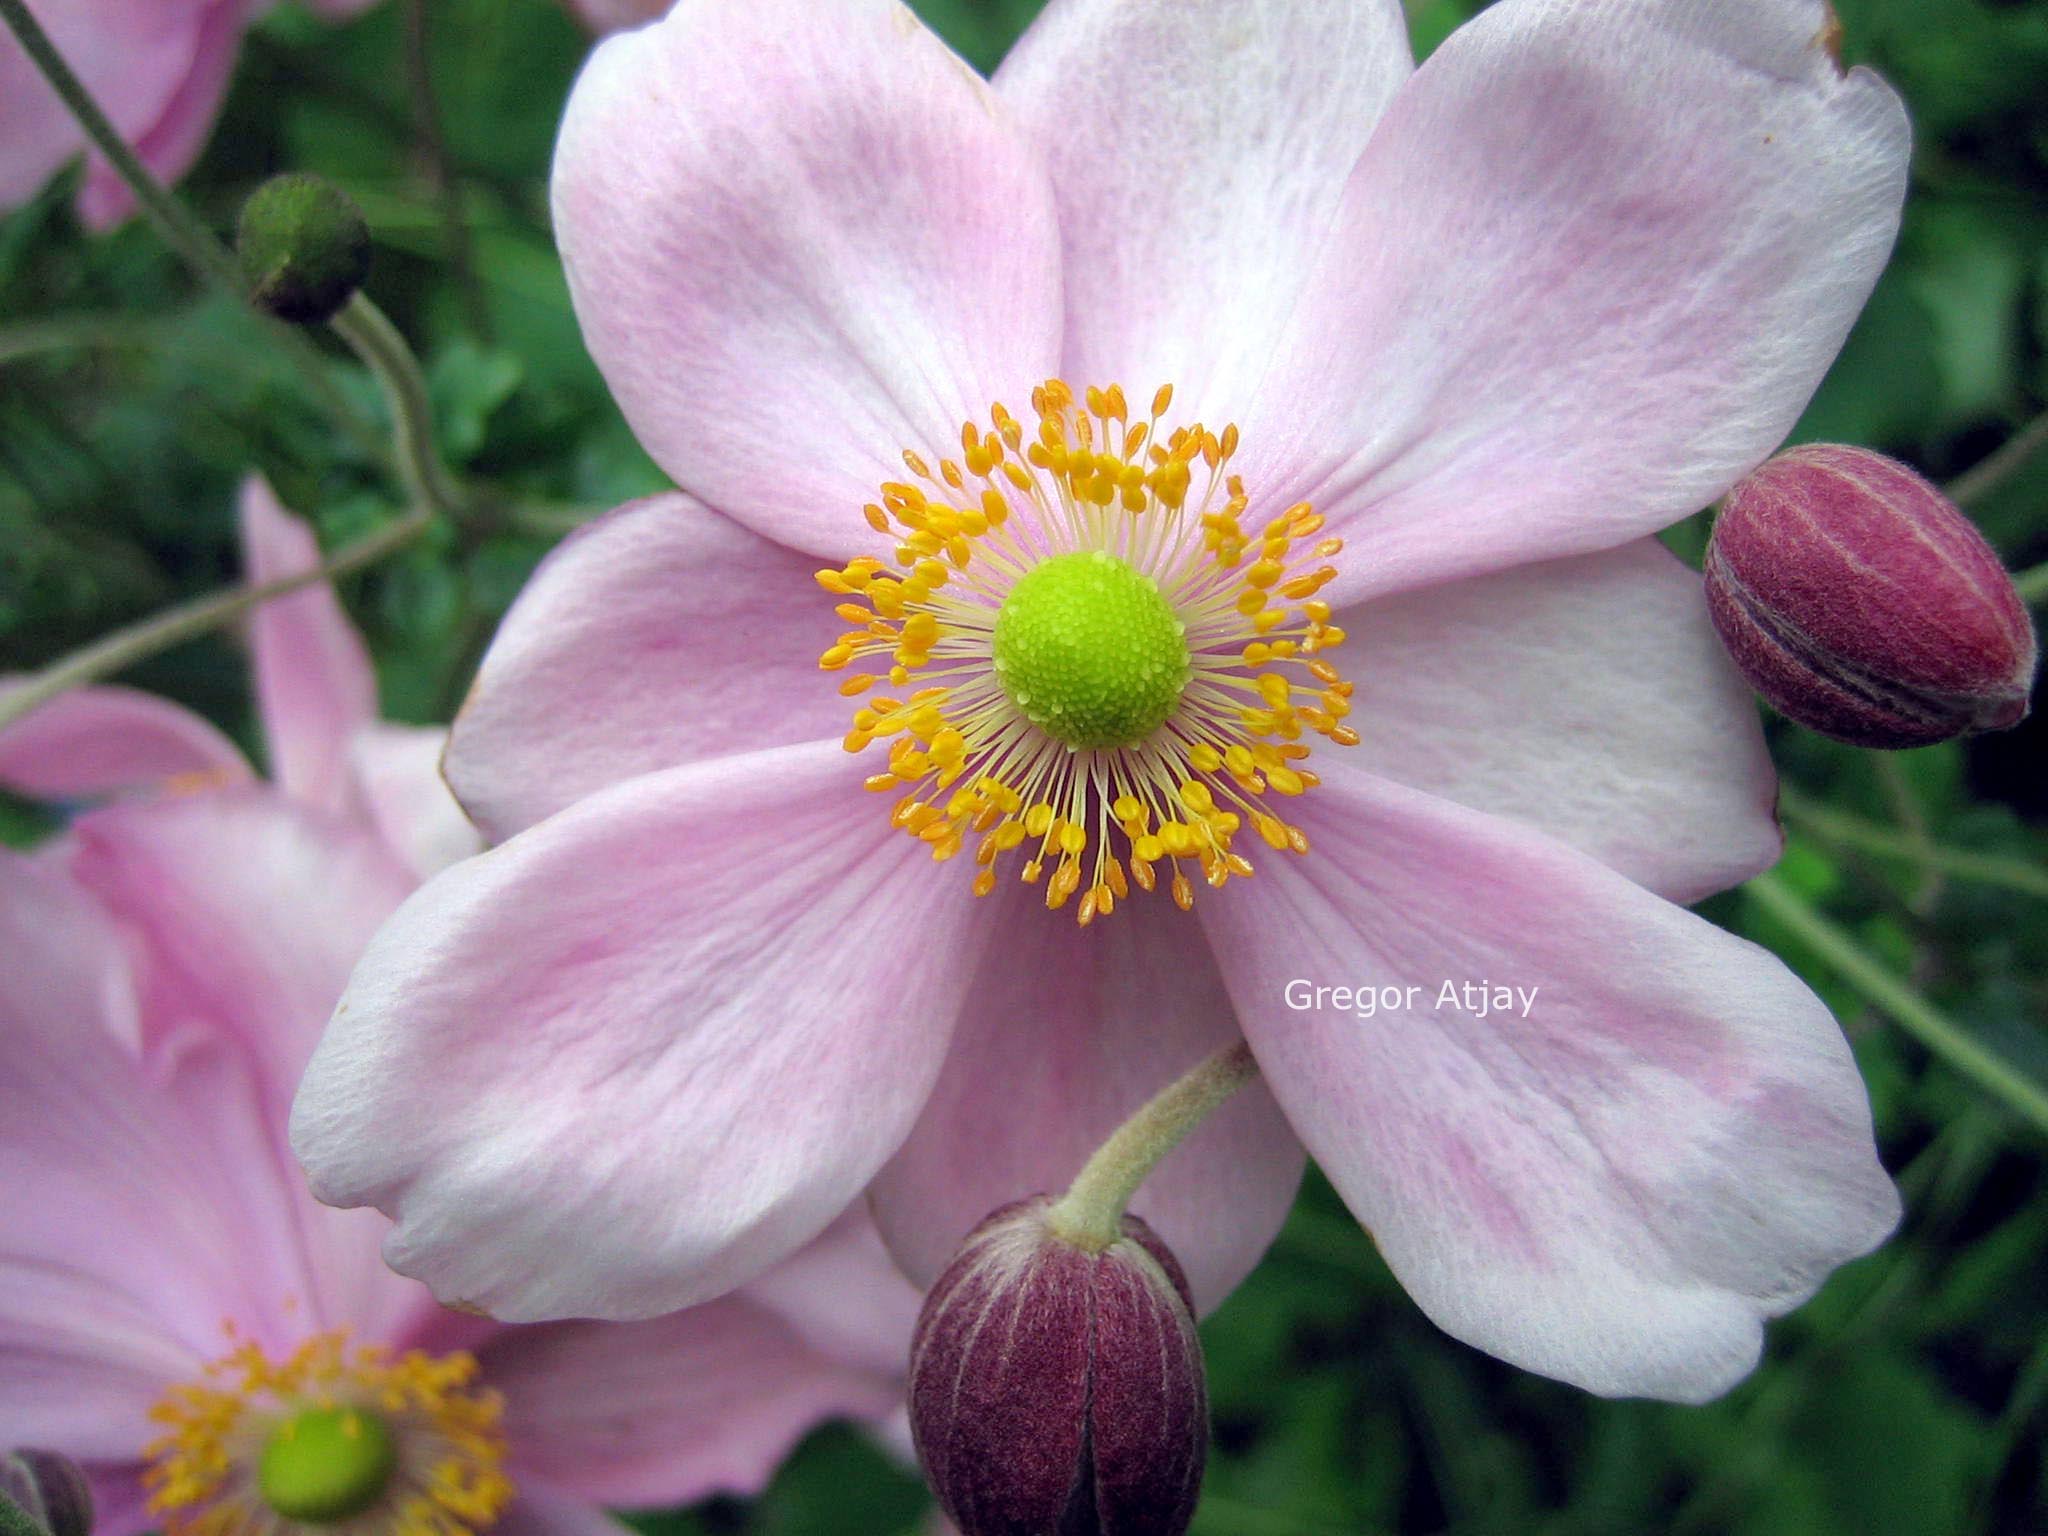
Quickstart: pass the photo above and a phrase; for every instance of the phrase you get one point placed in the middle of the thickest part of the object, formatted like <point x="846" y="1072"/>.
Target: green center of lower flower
<point x="1090" y="650"/>
<point x="324" y="1465"/>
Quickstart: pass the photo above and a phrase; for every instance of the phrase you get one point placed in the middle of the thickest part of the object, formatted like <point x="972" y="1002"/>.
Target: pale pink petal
<point x="669" y="1411"/>
<point x="543" y="1511"/>
<point x="1066" y="1032"/>
<point x="1588" y="697"/>
<point x="611" y="15"/>
<point x="314" y="685"/>
<point x="1617" y="1189"/>
<point x="1197" y="153"/>
<point x="171" y="142"/>
<point x="132" y="56"/>
<point x="142" y="1201"/>
<point x="843" y="1292"/>
<point x="100" y="741"/>
<point x="1590" y="269"/>
<point x="659" y="635"/>
<point x="398" y="768"/>
<point x="120" y="1503"/>
<point x="799" y="245"/>
<point x="245" y="913"/>
<point x="639" y="1053"/>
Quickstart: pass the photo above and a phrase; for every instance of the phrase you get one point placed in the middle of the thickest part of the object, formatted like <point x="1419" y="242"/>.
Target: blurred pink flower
<point x="1499" y="319"/>
<point x="159" y="69"/>
<point x="165" y="1277"/>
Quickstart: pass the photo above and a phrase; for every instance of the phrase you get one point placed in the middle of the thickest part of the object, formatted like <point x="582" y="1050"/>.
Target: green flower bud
<point x="304" y="246"/>
<point x="47" y="1490"/>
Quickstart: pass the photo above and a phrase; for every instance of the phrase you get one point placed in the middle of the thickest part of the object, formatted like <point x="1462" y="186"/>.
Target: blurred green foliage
<point x="1911" y="1397"/>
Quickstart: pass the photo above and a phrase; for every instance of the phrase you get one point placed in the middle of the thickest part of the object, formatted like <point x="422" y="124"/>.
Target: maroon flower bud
<point x="1059" y="1392"/>
<point x="49" y="1490"/>
<point x="1858" y="600"/>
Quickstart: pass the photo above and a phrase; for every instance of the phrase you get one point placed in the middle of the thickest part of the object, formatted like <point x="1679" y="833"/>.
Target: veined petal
<point x="1587" y="697"/>
<point x="141" y="1199"/>
<point x="639" y="1053"/>
<point x="1197" y="154"/>
<point x="1588" y="272"/>
<point x="797" y="249"/>
<point x="1067" y="1031"/>
<point x="674" y="1409"/>
<point x="398" y="768"/>
<point x="1615" y="1184"/>
<point x="173" y="138"/>
<point x="844" y="1294"/>
<point x="659" y="635"/>
<point x="100" y="741"/>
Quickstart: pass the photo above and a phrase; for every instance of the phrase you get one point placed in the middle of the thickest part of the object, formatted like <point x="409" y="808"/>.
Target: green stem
<point x="2033" y="584"/>
<point x="376" y="341"/>
<point x="440" y="167"/>
<point x="64" y="333"/>
<point x="174" y="626"/>
<point x="181" y="229"/>
<point x="1919" y="1018"/>
<point x="1090" y="1214"/>
<point x="1854" y="832"/>
<point x="1999" y="466"/>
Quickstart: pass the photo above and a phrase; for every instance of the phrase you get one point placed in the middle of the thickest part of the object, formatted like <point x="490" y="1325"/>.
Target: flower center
<point x="1099" y="652"/>
<point x="1090" y="651"/>
<point x="326" y="1464"/>
<point x="332" y="1439"/>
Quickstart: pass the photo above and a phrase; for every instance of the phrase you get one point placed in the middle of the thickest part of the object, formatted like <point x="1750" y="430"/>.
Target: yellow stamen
<point x="970" y="759"/>
<point x="446" y="1478"/>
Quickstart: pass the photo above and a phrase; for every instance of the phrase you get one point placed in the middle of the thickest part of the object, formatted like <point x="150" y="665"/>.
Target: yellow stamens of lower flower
<point x="349" y="1441"/>
<point x="1089" y="642"/>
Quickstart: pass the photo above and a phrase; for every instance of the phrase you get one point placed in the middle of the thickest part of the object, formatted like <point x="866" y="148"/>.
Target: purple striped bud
<point x="1860" y="602"/>
<point x="1059" y="1392"/>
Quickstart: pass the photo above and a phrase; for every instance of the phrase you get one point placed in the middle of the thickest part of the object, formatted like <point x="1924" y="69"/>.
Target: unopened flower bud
<point x="1860" y="602"/>
<point x="304" y="247"/>
<point x="1056" y="1391"/>
<point x="49" y="1490"/>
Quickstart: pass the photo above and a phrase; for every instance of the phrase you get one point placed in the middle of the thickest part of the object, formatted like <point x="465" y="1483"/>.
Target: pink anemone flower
<point x="159" y="69"/>
<point x="1341" y="667"/>
<point x="176" y="1312"/>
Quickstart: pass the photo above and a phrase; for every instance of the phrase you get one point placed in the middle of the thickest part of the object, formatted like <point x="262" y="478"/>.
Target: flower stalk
<point x="195" y="244"/>
<point x="1941" y="1035"/>
<point x="1090" y="1214"/>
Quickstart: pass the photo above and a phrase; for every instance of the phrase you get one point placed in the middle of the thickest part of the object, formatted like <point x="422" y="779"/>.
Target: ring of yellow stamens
<point x="423" y="1437"/>
<point x="966" y="760"/>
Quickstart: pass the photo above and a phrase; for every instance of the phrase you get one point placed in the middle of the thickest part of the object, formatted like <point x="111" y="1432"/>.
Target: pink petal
<point x="1066" y="1033"/>
<point x="132" y="55"/>
<point x="314" y="684"/>
<point x="172" y="140"/>
<point x="1617" y="1189"/>
<point x="669" y="1411"/>
<point x="658" y="636"/>
<point x="257" y="944"/>
<point x="1587" y="697"/>
<point x="844" y="1294"/>
<point x="639" y="1053"/>
<point x="611" y="15"/>
<point x="92" y="742"/>
<point x="398" y="768"/>
<point x="1198" y="154"/>
<point x="1589" y="271"/>
<point x="543" y="1511"/>
<point x="140" y="1200"/>
<point x="799" y="245"/>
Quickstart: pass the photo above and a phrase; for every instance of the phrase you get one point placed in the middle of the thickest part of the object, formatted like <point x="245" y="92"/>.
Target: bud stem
<point x="1942" y="1036"/>
<point x="181" y="230"/>
<point x="373" y="338"/>
<point x="1090" y="1214"/>
<point x="2033" y="585"/>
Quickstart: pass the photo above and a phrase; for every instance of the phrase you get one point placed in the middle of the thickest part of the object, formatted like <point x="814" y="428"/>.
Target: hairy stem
<point x="1090" y="1213"/>
<point x="124" y="647"/>
<point x="1848" y="831"/>
<point x="376" y="341"/>
<point x="181" y="229"/>
<point x="1942" y="1036"/>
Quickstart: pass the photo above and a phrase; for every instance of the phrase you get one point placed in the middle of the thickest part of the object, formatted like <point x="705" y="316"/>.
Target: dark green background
<point x="1910" y="1398"/>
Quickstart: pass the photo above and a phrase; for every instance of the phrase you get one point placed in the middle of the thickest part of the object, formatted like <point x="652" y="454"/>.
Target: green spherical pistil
<point x="1091" y="651"/>
<point x="324" y="1465"/>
